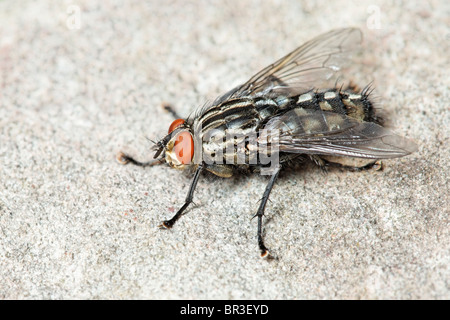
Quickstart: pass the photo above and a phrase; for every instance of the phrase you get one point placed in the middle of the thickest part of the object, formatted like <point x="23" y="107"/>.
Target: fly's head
<point x="177" y="147"/>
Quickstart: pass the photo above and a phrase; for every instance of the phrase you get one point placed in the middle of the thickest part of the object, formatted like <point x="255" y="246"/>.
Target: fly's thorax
<point x="237" y="114"/>
<point x="227" y="132"/>
<point x="229" y="146"/>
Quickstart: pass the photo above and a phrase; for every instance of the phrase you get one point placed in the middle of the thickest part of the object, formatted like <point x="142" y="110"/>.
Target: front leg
<point x="169" y="223"/>
<point x="123" y="158"/>
<point x="171" y="110"/>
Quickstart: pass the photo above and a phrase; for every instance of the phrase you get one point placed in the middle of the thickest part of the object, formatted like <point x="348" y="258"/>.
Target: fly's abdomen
<point x="354" y="105"/>
<point x="318" y="113"/>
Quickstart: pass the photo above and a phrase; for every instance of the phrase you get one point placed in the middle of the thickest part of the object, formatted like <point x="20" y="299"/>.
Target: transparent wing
<point x="307" y="67"/>
<point x="327" y="133"/>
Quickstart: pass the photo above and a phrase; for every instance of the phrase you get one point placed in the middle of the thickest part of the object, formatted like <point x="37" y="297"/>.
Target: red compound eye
<point x="184" y="147"/>
<point x="175" y="124"/>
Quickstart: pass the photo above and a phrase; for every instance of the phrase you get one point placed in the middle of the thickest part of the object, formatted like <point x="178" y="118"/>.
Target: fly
<point x="282" y="114"/>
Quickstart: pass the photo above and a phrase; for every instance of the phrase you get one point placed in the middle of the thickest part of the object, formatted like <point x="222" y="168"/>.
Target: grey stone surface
<point x="76" y="224"/>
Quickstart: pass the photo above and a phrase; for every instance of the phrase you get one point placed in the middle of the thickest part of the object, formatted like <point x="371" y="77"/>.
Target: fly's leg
<point x="123" y="158"/>
<point x="260" y="213"/>
<point x="169" y="109"/>
<point x="322" y="163"/>
<point x="169" y="223"/>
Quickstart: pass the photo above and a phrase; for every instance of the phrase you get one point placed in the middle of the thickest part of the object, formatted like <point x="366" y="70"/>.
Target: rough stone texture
<point x="76" y="224"/>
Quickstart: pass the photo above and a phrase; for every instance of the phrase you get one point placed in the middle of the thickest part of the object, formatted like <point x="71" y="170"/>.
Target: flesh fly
<point x="282" y="114"/>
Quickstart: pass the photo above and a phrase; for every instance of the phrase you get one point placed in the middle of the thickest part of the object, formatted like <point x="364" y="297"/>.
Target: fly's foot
<point x="166" y="224"/>
<point x="264" y="251"/>
<point x="266" y="255"/>
<point x="122" y="158"/>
